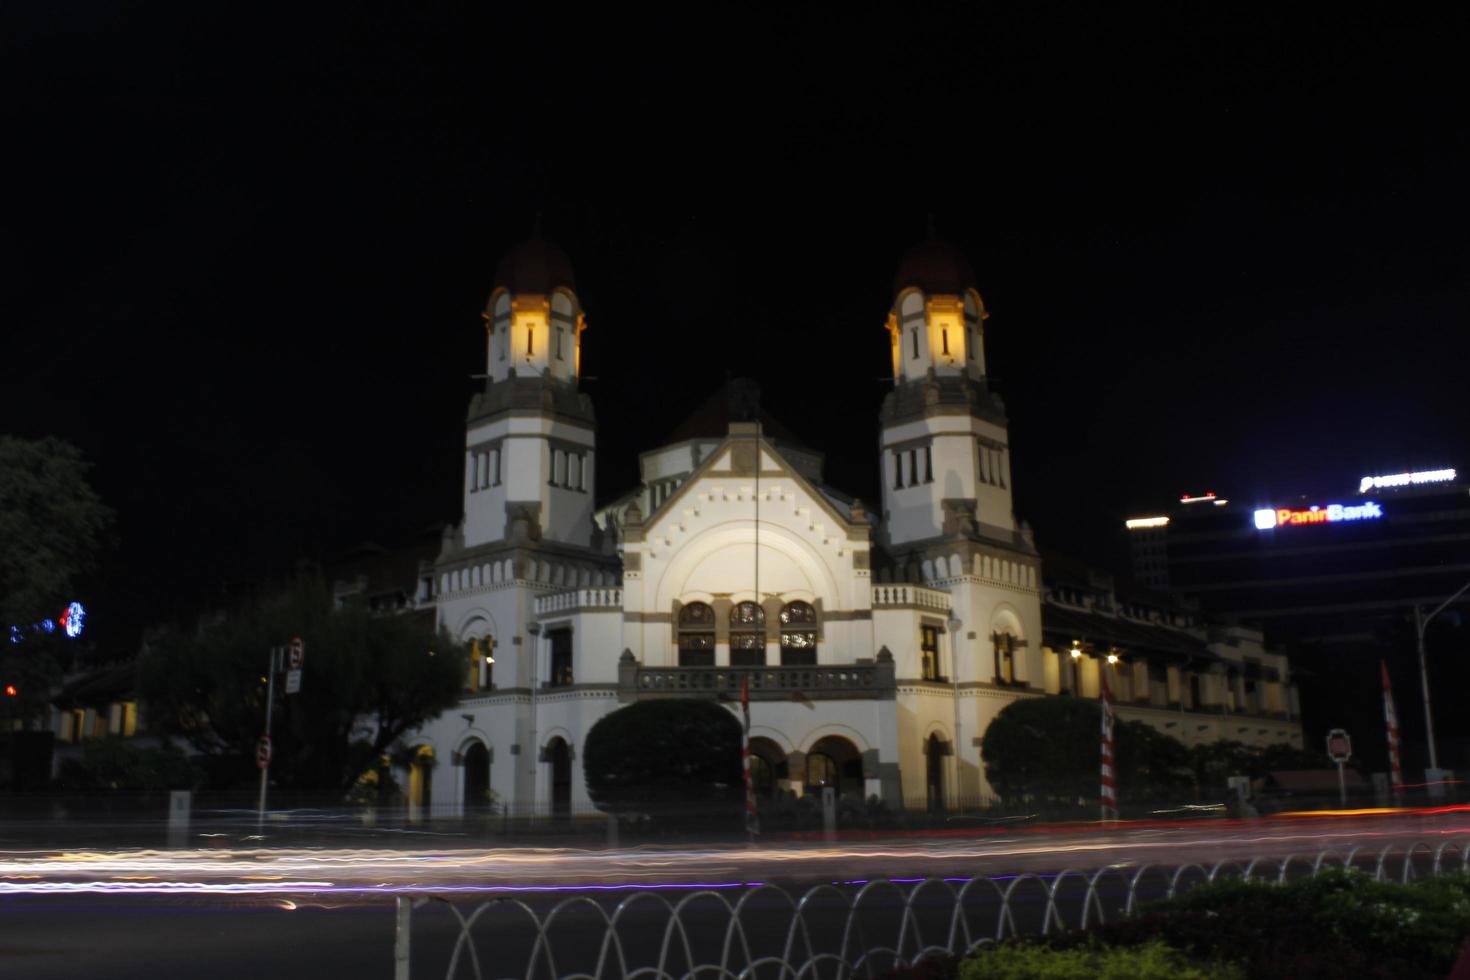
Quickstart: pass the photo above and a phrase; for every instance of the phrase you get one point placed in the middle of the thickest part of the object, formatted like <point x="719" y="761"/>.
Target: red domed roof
<point x="935" y="267"/>
<point x="534" y="266"/>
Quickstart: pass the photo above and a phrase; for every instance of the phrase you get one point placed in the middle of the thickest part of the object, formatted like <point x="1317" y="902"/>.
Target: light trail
<point x="366" y="871"/>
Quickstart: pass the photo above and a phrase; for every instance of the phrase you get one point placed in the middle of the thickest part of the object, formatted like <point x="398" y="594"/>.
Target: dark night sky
<point x="243" y="260"/>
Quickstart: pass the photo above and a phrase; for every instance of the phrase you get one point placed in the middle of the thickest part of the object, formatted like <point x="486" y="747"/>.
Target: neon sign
<point x="1405" y="480"/>
<point x="70" y="622"/>
<point x="1269" y="518"/>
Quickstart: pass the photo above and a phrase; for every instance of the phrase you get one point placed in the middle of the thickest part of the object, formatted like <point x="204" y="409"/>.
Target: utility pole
<point x="263" y="750"/>
<point x="1421" y="622"/>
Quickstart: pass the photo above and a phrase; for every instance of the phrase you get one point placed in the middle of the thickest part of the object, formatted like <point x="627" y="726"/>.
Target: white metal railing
<point x="910" y="595"/>
<point x="604" y="598"/>
<point x="838" y="930"/>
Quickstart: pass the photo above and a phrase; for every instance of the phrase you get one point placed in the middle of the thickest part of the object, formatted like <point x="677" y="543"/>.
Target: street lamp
<point x="1420" y="622"/>
<point x="954" y="655"/>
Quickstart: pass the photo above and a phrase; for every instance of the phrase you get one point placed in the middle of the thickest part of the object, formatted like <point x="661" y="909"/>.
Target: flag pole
<point x="1109" y="797"/>
<point x="1391" y="725"/>
<point x="752" y="818"/>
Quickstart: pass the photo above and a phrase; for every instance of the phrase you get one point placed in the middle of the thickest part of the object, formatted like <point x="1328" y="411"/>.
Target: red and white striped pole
<point x="1391" y="723"/>
<point x="1109" y="787"/>
<point x="752" y="818"/>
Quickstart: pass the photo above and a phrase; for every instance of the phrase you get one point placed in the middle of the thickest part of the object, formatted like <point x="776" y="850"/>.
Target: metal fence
<point x="825" y="932"/>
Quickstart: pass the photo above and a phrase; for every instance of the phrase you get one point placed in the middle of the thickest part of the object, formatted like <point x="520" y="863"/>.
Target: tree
<point x="52" y="526"/>
<point x="368" y="679"/>
<point x="661" y="754"/>
<point x="1048" y="751"/>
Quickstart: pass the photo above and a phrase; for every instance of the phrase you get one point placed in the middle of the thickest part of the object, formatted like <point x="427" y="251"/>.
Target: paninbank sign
<point x="1269" y="518"/>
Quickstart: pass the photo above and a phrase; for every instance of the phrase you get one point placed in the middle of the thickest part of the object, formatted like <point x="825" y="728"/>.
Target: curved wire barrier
<point x="828" y="931"/>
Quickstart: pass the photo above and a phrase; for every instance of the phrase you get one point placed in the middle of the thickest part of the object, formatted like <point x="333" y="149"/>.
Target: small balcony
<point x="575" y="600"/>
<point x="824" y="682"/>
<point x="910" y="597"/>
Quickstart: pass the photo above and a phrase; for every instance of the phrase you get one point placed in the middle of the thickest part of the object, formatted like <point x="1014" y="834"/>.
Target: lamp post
<point x="954" y="655"/>
<point x="1421" y="621"/>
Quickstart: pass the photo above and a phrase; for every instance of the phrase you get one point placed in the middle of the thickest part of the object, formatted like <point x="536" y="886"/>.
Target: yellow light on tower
<point x="1112" y="658"/>
<point x="1076" y="650"/>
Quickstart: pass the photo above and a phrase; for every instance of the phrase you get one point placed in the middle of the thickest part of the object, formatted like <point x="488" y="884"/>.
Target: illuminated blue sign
<point x="1269" y="518"/>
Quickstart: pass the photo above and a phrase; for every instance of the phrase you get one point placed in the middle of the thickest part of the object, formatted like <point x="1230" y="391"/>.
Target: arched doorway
<point x="421" y="783"/>
<point x="559" y="757"/>
<point x="836" y="762"/>
<point x="934" y="753"/>
<point x="768" y="767"/>
<point x="476" y="779"/>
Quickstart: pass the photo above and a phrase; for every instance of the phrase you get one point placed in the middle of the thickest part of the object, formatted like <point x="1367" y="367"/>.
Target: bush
<point x="116" y="763"/>
<point x="1150" y="961"/>
<point x="1338" y="924"/>
<point x="675" y="758"/>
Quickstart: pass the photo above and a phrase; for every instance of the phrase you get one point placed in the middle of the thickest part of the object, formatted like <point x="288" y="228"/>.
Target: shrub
<point x="1150" y="961"/>
<point x="1338" y="924"/>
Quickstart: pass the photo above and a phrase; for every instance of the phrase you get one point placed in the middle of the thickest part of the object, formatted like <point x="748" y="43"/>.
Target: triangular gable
<point x="724" y="462"/>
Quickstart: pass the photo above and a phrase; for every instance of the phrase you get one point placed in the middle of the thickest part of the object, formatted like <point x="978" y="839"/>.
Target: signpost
<point x="292" y="655"/>
<point x="1340" y="750"/>
<point x="295" y="657"/>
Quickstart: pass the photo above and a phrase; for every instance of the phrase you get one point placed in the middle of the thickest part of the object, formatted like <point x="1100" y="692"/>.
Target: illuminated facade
<point x="878" y="644"/>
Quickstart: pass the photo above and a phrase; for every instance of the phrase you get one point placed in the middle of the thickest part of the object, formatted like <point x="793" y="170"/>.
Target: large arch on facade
<point x="821" y="579"/>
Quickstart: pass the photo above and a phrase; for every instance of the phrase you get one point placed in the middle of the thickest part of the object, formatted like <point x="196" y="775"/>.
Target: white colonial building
<point x="877" y="644"/>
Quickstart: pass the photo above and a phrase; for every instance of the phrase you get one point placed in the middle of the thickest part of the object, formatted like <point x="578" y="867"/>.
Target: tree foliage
<point x="367" y="680"/>
<point x="52" y="527"/>
<point x="664" y="753"/>
<point x="1047" y="751"/>
<point x="116" y="763"/>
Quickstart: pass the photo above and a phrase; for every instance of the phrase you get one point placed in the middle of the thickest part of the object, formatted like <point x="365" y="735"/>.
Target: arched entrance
<point x="934" y="753"/>
<point x="476" y="779"/>
<point x="421" y="783"/>
<point x="836" y="762"/>
<point x="559" y="757"/>
<point x="768" y="767"/>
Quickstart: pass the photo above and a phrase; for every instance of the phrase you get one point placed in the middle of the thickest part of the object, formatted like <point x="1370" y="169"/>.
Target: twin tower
<point x="531" y="436"/>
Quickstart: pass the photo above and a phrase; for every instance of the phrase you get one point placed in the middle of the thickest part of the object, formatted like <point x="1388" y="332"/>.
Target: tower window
<point x="929" y="653"/>
<point x="530" y="339"/>
<point x="914" y="335"/>
<point x="561" y="659"/>
<point x="897" y="470"/>
<point x="502" y="339"/>
<point x="913" y="466"/>
<point x="495" y="467"/>
<point x="1005" y="658"/>
<point x="944" y="339"/>
<point x="559" y="356"/>
<point x="969" y="343"/>
<point x="928" y="465"/>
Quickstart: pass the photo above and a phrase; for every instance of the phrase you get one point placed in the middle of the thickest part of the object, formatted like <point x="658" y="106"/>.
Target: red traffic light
<point x="11" y="691"/>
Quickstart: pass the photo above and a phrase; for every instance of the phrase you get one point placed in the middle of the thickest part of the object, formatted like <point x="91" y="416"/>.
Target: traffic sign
<point x="296" y="653"/>
<point x="293" y="682"/>
<point x="1339" y="746"/>
<point x="263" y="752"/>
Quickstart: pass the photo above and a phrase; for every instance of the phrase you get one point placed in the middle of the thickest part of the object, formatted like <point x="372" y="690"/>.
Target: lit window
<point x="696" y="635"/>
<point x="798" y="634"/>
<point x="929" y="653"/>
<point x="561" y="659"/>
<point x="1005" y="658"/>
<point x="747" y="635"/>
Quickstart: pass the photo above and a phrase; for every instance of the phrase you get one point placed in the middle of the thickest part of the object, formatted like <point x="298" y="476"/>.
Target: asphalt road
<point x="282" y="913"/>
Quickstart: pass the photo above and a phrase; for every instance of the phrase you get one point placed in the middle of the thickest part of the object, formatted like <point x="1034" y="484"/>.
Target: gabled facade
<point x="877" y="644"/>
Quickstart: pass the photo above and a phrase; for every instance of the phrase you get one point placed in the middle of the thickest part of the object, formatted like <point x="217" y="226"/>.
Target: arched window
<point x="1006" y="647"/>
<point x="798" y="634"/>
<point x="696" y="635"/>
<point x="747" y="635"/>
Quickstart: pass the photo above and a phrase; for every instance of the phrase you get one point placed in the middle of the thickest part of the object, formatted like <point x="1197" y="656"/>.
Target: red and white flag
<point x="1109" y="786"/>
<point x="752" y="818"/>
<point x="1391" y="723"/>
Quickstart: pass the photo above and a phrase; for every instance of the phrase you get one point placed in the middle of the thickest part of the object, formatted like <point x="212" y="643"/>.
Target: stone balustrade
<point x="578" y="599"/>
